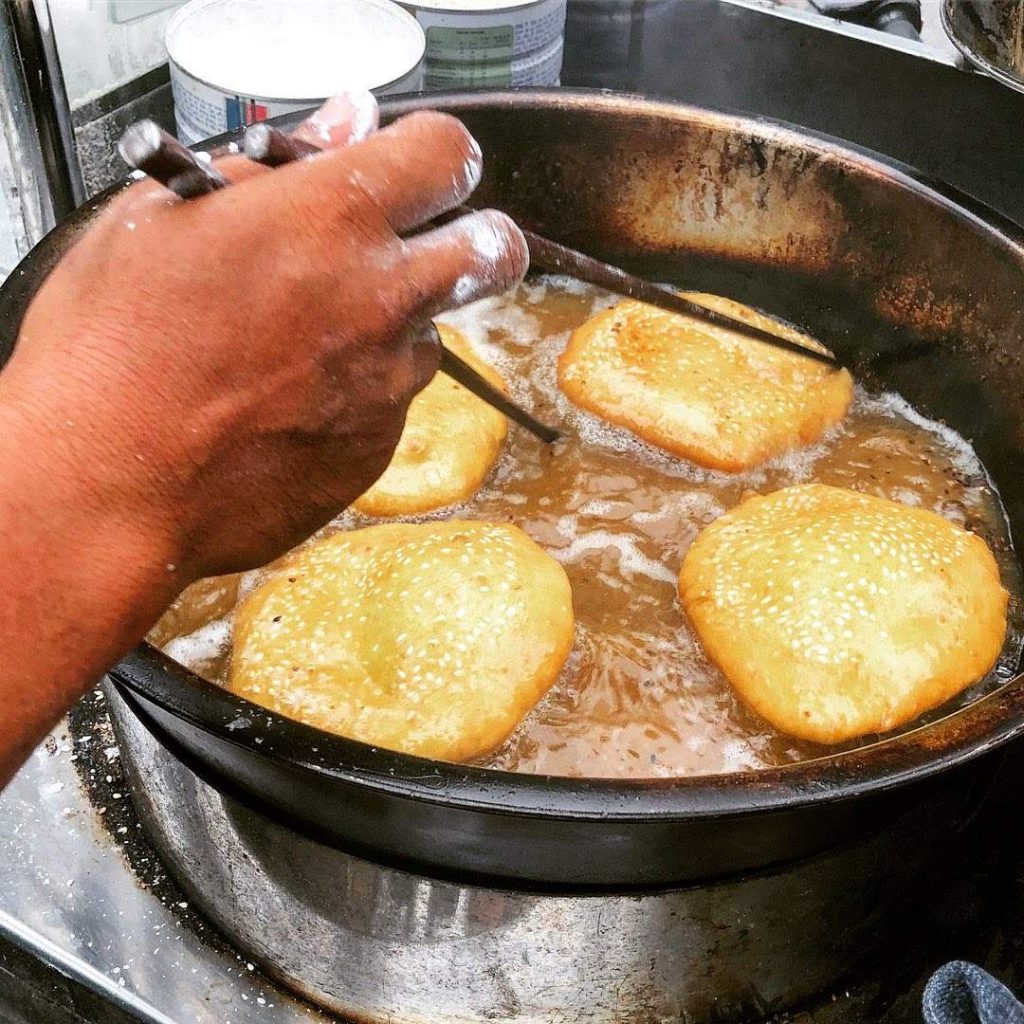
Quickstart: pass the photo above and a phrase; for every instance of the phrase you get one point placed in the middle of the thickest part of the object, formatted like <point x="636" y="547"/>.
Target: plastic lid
<point x="300" y="50"/>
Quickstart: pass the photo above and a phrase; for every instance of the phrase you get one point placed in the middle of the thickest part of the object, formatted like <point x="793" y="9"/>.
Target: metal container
<point x="604" y="42"/>
<point x="990" y="34"/>
<point x="395" y="888"/>
<point x="234" y="62"/>
<point x="478" y="44"/>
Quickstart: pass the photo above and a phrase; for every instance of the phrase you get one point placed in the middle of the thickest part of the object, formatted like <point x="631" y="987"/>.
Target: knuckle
<point x="448" y="134"/>
<point x="143" y="194"/>
<point x="358" y="199"/>
<point x="443" y="126"/>
<point x="346" y="210"/>
<point x="416" y="284"/>
<point x="237" y="168"/>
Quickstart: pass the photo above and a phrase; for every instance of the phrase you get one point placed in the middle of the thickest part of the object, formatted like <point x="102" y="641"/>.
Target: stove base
<point x="378" y="944"/>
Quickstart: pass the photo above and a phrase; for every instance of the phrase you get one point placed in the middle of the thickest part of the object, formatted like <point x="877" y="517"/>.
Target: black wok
<point x="917" y="287"/>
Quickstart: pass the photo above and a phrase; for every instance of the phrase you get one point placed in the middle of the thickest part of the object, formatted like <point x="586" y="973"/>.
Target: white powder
<point x="489" y="240"/>
<point x="464" y="290"/>
<point x="364" y="118"/>
<point x="473" y="169"/>
<point x="487" y="235"/>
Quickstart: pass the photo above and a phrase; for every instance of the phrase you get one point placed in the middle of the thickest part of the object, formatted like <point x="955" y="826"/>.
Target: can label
<point x="492" y="43"/>
<point x="201" y="111"/>
<point x="469" y="57"/>
<point x="475" y="36"/>
<point x="543" y="68"/>
<point x="470" y="48"/>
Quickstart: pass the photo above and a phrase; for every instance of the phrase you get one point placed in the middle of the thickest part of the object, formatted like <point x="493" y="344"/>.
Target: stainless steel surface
<point x="931" y="46"/>
<point x="383" y="945"/>
<point x="68" y="895"/>
<point x="37" y="49"/>
<point x="52" y="833"/>
<point x="990" y="34"/>
<point x="24" y="176"/>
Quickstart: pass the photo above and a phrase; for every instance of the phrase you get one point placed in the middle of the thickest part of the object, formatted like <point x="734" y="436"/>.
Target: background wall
<point x="104" y="44"/>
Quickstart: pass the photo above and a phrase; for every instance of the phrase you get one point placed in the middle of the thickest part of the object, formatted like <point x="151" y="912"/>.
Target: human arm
<point x="199" y="386"/>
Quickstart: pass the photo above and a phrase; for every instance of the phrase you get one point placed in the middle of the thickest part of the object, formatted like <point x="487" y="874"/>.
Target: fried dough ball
<point x="430" y="638"/>
<point x="836" y="614"/>
<point x="701" y="392"/>
<point x="450" y="442"/>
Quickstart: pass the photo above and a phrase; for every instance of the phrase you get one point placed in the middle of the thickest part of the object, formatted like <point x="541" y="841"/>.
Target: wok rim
<point x="964" y="734"/>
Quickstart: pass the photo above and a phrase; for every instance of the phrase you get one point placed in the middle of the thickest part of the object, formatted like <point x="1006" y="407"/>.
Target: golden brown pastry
<point x="450" y="442"/>
<point x="431" y="638"/>
<point x="835" y="614"/>
<point x="701" y="392"/>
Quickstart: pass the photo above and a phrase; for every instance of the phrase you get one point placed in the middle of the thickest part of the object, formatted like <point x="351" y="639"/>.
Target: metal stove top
<point x="91" y="928"/>
<point x="82" y="891"/>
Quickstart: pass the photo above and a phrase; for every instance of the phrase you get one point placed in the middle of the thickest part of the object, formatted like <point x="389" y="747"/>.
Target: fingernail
<point x="474" y="165"/>
<point x="502" y="257"/>
<point x="364" y="108"/>
<point x="496" y="237"/>
<point x="352" y="113"/>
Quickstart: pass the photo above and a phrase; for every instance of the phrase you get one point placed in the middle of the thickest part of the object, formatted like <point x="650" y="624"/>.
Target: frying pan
<point x="918" y="288"/>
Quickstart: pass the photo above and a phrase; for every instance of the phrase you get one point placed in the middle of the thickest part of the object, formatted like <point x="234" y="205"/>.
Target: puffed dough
<point x="430" y="638"/>
<point x="701" y="392"/>
<point x="836" y="614"/>
<point x="450" y="442"/>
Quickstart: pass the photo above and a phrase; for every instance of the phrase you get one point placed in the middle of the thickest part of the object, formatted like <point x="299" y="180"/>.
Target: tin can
<point x="235" y="62"/>
<point x="475" y="44"/>
<point x="605" y="41"/>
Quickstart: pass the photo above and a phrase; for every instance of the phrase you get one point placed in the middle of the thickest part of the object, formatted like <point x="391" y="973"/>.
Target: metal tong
<point x="148" y="148"/>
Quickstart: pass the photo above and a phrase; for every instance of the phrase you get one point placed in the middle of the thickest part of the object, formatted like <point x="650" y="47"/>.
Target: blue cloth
<point x="961" y="993"/>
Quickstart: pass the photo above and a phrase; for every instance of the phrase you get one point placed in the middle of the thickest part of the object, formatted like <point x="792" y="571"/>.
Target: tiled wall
<point x="107" y="44"/>
<point x="99" y="124"/>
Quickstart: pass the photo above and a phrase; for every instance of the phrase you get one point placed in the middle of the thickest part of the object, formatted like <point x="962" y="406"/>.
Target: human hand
<point x="226" y="374"/>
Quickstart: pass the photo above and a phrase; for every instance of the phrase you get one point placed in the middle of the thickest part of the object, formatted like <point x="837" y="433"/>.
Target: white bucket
<point x="475" y="44"/>
<point x="235" y="62"/>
